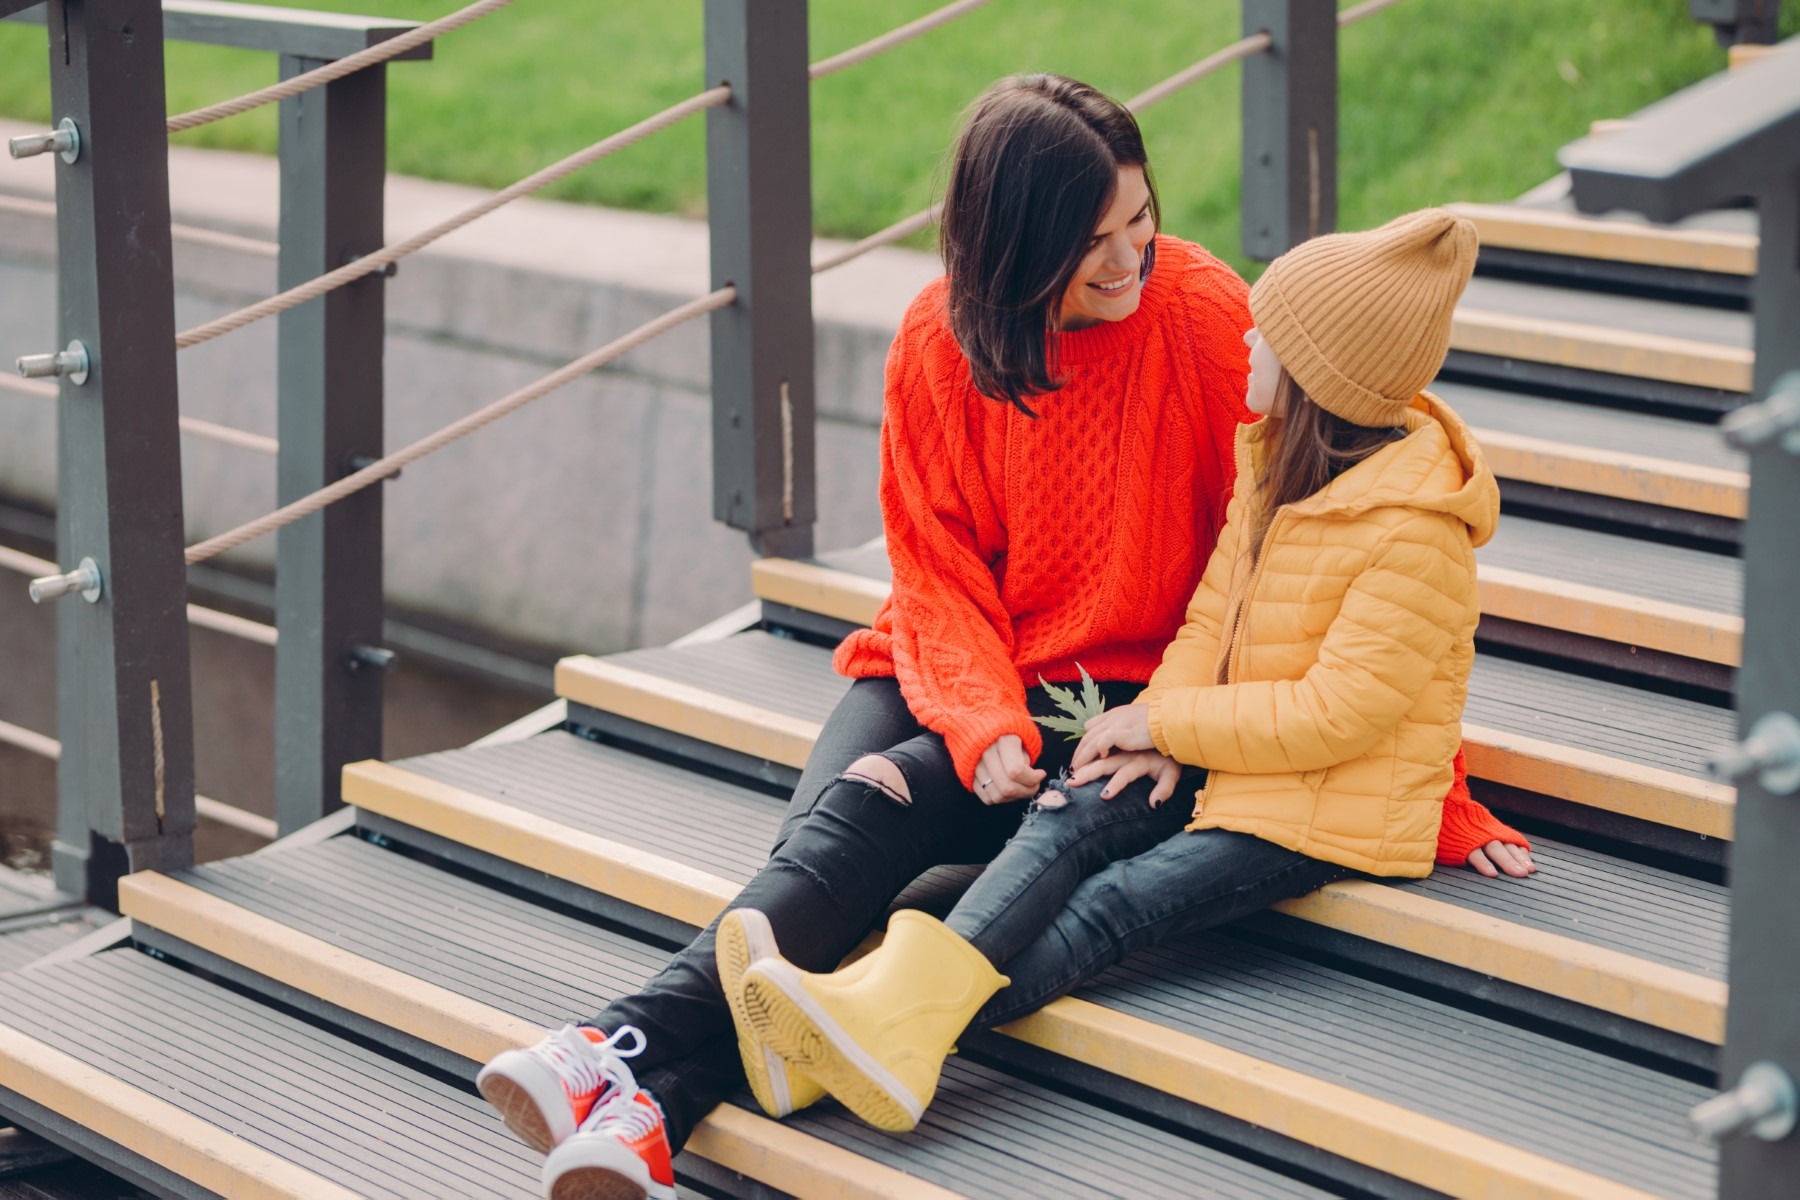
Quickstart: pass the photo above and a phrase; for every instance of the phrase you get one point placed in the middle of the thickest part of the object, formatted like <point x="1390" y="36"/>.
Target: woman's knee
<point x="881" y="773"/>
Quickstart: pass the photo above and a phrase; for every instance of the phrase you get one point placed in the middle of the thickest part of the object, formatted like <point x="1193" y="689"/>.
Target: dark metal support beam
<point x="329" y="361"/>
<point x="1290" y="97"/>
<point x="326" y="35"/>
<point x="1736" y="22"/>
<point x="125" y="782"/>
<point x="759" y="204"/>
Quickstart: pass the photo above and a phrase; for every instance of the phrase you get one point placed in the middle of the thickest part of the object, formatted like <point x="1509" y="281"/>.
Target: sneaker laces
<point x="623" y="1117"/>
<point x="588" y="1066"/>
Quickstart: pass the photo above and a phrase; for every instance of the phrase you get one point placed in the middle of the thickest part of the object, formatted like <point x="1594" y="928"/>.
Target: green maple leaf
<point x="1081" y="709"/>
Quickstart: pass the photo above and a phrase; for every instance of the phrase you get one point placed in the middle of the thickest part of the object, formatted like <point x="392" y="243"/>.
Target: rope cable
<point x="378" y="260"/>
<point x="350" y="64"/>
<point x="457" y="430"/>
<point x="892" y="38"/>
<point x="260" y="247"/>
<point x="193" y="426"/>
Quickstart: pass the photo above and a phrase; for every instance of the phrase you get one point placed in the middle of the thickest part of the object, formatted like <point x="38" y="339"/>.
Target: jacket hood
<point x="1437" y="467"/>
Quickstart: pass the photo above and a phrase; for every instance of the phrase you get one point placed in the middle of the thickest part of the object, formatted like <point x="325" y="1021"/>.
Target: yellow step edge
<point x="1612" y="616"/>
<point x="1411" y="1145"/>
<point x="1598" y="348"/>
<point x="1614" y="982"/>
<point x="1580" y="776"/>
<point x="1715" y="491"/>
<point x="1432" y="1153"/>
<point x="1546" y="231"/>
<point x="177" y="1141"/>
<point x="1516" y="595"/>
<point x="751" y="1145"/>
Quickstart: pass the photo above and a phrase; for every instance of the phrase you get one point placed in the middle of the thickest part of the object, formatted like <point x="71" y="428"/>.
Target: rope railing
<point x="350" y="64"/>
<point x="206" y="618"/>
<point x="893" y="38"/>
<point x="193" y="426"/>
<point x="181" y="233"/>
<point x="457" y="430"/>
<point x="1245" y="47"/>
<point x="380" y="259"/>
<point x="205" y="807"/>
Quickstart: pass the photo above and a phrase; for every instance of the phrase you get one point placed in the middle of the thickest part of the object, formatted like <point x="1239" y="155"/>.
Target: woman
<point x="1056" y="457"/>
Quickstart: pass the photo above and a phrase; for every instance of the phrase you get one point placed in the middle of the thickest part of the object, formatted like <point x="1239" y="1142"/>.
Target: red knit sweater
<point x="1022" y="547"/>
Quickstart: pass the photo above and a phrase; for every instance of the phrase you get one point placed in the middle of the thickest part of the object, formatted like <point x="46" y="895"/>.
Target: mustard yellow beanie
<point x="1362" y="320"/>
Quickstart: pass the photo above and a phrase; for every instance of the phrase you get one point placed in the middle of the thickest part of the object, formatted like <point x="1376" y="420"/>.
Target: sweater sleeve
<point x="1398" y="620"/>
<point x="952" y="639"/>
<point x="1468" y="825"/>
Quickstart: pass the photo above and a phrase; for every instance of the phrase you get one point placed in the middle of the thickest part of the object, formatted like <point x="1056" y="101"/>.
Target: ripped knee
<point x="882" y="774"/>
<point x="1053" y="798"/>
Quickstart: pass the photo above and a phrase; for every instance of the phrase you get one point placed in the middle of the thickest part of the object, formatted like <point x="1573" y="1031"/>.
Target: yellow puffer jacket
<point x="1345" y="673"/>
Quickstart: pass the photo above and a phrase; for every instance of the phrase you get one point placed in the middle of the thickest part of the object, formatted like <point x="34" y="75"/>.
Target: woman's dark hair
<point x="1309" y="448"/>
<point x="1034" y="170"/>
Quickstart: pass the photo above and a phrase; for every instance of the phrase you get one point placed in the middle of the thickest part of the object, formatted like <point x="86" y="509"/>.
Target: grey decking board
<point x="123" y="1029"/>
<point x="349" y="876"/>
<point x="1639" y="726"/>
<point x="30" y="942"/>
<point x="1590" y="426"/>
<point x="1248" y="982"/>
<point x="1674" y="574"/>
<point x="460" y="906"/>
<point x="869" y="561"/>
<point x="1690" y="322"/>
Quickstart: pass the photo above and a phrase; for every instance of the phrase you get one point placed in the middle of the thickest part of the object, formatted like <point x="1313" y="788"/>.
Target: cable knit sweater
<point x="1022" y="547"/>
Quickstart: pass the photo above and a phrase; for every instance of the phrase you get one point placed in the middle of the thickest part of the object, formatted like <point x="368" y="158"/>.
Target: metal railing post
<point x="1736" y="22"/>
<point x="759" y="203"/>
<point x="1290" y="97"/>
<point x="328" y="605"/>
<point x="125" y="782"/>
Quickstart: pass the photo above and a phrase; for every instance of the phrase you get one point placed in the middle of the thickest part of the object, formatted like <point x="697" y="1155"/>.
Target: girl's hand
<point x="1126" y="728"/>
<point x="1132" y="765"/>
<point x="1004" y="772"/>
<point x="1514" y="860"/>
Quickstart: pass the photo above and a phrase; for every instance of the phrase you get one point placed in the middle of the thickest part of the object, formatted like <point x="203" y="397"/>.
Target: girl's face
<point x="1265" y="374"/>
<point x="1106" y="286"/>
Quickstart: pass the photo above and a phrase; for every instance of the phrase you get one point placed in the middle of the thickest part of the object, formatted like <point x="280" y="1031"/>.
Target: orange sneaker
<point x="544" y="1092"/>
<point x="621" y="1152"/>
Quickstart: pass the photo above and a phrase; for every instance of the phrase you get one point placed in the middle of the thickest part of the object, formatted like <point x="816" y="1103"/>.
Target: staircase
<point x="307" y="1021"/>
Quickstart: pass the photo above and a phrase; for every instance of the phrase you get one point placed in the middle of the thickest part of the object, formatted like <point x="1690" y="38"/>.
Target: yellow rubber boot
<point x="745" y="936"/>
<point x="875" y="1034"/>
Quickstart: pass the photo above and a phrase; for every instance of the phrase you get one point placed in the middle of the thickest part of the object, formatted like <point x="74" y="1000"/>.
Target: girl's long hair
<point x="1033" y="171"/>
<point x="1308" y="448"/>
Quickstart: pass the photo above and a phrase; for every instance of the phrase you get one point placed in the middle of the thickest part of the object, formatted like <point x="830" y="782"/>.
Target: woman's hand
<point x="1136" y="764"/>
<point x="1126" y="728"/>
<point x="1004" y="772"/>
<point x="1495" y="857"/>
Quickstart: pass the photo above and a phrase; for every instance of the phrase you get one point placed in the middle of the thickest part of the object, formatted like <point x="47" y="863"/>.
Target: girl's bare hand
<point x="1129" y="766"/>
<point x="1495" y="857"/>
<point x="1004" y="772"/>
<point x="1126" y="728"/>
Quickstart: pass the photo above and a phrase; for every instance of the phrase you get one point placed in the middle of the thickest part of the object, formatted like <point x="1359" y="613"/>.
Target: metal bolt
<point x="1763" y="1104"/>
<point x="359" y="462"/>
<point x="65" y="140"/>
<point x="361" y="656"/>
<point x="73" y="362"/>
<point x="1771" y="752"/>
<point x="1776" y="416"/>
<point x="84" y="579"/>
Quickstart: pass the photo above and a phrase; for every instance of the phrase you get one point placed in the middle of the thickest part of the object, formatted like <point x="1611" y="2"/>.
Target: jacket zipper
<point x="1237" y="628"/>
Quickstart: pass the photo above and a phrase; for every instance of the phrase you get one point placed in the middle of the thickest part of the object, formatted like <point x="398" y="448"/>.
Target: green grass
<point x="1442" y="99"/>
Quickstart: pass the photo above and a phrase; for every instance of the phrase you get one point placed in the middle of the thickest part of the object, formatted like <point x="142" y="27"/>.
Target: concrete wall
<point x="583" y="522"/>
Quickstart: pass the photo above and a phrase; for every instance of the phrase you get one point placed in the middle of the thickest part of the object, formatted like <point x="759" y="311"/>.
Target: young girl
<point x="1314" y="695"/>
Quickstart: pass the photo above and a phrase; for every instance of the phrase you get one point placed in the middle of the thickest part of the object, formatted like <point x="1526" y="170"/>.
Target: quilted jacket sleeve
<point x="1399" y="618"/>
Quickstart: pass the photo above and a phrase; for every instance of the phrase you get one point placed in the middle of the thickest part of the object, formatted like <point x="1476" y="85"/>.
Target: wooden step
<point x="1571" y="942"/>
<point x="1651" y="353"/>
<point x="1223" y="1026"/>
<point x="1669" y="599"/>
<point x="189" y="1088"/>
<point x="416" y="950"/>
<point x="1569" y="234"/>
<point x="1586" y="742"/>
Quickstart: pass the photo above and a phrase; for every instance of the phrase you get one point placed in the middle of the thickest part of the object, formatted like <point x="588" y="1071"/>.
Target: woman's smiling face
<point x="1106" y="286"/>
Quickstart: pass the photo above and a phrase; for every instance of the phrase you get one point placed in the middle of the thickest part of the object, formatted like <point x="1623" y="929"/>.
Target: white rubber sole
<point x="745" y="936"/>
<point x="600" y="1169"/>
<point x="529" y="1098"/>
<point x="787" y="1018"/>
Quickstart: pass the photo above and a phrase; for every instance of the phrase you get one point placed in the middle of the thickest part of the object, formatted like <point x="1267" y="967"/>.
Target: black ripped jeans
<point x="845" y="851"/>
